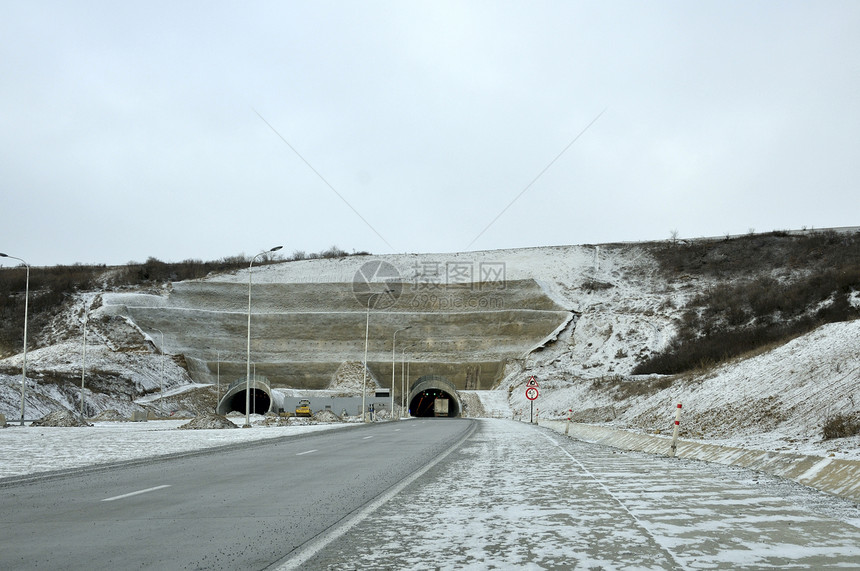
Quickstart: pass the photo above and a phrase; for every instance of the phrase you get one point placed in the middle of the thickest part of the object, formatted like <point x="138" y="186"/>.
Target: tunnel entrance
<point x="431" y="403"/>
<point x="261" y="398"/>
<point x="433" y="395"/>
<point x="259" y="401"/>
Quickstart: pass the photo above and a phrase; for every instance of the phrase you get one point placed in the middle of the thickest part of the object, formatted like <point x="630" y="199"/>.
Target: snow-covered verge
<point x="518" y="497"/>
<point x="28" y="450"/>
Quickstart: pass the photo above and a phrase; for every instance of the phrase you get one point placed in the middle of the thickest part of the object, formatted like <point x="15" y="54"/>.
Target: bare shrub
<point x="748" y="309"/>
<point x="840" y="426"/>
<point x="333" y="252"/>
<point x="621" y="388"/>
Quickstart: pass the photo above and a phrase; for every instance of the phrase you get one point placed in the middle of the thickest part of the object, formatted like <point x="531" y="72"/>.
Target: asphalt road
<point x="248" y="508"/>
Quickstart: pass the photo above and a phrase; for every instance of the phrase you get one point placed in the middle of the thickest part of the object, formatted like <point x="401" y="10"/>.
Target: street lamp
<point x="248" y="363"/>
<point x="218" y="392"/>
<point x="403" y="376"/>
<point x="366" y="331"/>
<point x="393" y="342"/>
<point x="162" y="361"/>
<point x="84" y="361"/>
<point x="26" y="303"/>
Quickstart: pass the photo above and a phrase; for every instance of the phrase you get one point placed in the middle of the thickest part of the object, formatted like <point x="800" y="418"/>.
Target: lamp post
<point x="162" y="360"/>
<point x="84" y="362"/>
<point x="24" y="364"/>
<point x="403" y="375"/>
<point x="408" y="363"/>
<point x="218" y="391"/>
<point x="248" y="362"/>
<point x="393" y="342"/>
<point x="366" y="331"/>
<point x="402" y="381"/>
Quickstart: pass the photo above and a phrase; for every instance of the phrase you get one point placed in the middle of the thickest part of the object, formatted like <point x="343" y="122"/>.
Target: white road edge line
<point x="612" y="495"/>
<point x="137" y="493"/>
<point x="306" y="452"/>
<point x="366" y="437"/>
<point x="301" y="555"/>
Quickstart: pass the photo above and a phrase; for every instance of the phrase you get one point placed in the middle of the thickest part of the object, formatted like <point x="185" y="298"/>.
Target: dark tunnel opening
<point x="424" y="404"/>
<point x="260" y="401"/>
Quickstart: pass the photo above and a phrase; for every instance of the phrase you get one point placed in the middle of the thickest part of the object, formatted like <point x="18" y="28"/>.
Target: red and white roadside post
<point x="567" y="426"/>
<point x="675" y="431"/>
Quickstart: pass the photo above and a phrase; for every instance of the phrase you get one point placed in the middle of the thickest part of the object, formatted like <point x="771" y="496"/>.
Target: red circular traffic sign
<point x="531" y="393"/>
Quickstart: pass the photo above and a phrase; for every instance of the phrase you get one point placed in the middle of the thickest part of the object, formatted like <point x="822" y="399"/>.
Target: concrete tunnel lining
<point x="424" y="392"/>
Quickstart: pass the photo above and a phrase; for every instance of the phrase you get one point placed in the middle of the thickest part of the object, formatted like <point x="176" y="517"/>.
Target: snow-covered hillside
<point x="625" y="309"/>
<point x="776" y="400"/>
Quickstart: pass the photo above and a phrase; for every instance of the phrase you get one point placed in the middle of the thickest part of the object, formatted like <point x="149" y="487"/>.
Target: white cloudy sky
<point x="130" y="130"/>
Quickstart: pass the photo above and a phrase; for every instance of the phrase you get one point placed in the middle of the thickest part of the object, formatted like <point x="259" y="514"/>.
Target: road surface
<point x="517" y="496"/>
<point x="425" y="494"/>
<point x="245" y="509"/>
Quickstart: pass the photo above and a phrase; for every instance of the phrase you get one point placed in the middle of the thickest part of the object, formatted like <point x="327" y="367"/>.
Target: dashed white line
<point x="137" y="493"/>
<point x="306" y="452"/>
<point x="366" y="437"/>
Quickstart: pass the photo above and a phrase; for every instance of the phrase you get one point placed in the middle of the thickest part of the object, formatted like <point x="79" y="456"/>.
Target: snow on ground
<point x="27" y="450"/>
<point x="513" y="496"/>
<point x="776" y="400"/>
<point x="494" y="404"/>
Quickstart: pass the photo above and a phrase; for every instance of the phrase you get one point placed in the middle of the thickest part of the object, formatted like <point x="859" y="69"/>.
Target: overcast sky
<point x="199" y="130"/>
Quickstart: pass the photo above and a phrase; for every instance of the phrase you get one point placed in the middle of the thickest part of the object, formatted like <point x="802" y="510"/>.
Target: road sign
<point x="532" y="382"/>
<point x="531" y="393"/>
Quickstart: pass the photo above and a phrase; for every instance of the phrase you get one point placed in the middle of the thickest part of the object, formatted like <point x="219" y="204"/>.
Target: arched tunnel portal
<point x="429" y="389"/>
<point x="261" y="399"/>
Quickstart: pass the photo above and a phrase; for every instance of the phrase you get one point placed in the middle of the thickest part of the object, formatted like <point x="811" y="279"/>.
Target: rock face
<point x="61" y="418"/>
<point x="301" y="333"/>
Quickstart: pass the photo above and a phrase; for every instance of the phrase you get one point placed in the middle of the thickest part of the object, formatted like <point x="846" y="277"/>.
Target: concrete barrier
<point x="832" y="475"/>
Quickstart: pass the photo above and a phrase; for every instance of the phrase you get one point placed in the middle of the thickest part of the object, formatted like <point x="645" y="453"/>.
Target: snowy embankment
<point x="778" y="400"/>
<point x="29" y="450"/>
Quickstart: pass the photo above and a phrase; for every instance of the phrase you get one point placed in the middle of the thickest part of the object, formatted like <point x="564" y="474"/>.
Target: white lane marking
<point x="135" y="493"/>
<point x="366" y="437"/>
<point x="306" y="452"/>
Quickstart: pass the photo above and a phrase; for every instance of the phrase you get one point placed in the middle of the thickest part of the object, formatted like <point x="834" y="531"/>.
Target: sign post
<point x="531" y="394"/>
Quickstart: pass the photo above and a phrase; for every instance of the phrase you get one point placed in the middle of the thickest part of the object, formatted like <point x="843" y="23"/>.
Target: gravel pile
<point x="326" y="416"/>
<point x="272" y="420"/>
<point x="109" y="414"/>
<point x="208" y="420"/>
<point x="60" y="418"/>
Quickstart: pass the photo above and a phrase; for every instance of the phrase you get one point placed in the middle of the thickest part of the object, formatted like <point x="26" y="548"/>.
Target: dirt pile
<point x="110" y="414"/>
<point x="382" y="414"/>
<point x="208" y="420"/>
<point x="61" y="418"/>
<point x="349" y="379"/>
<point x="273" y="420"/>
<point x="326" y="416"/>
